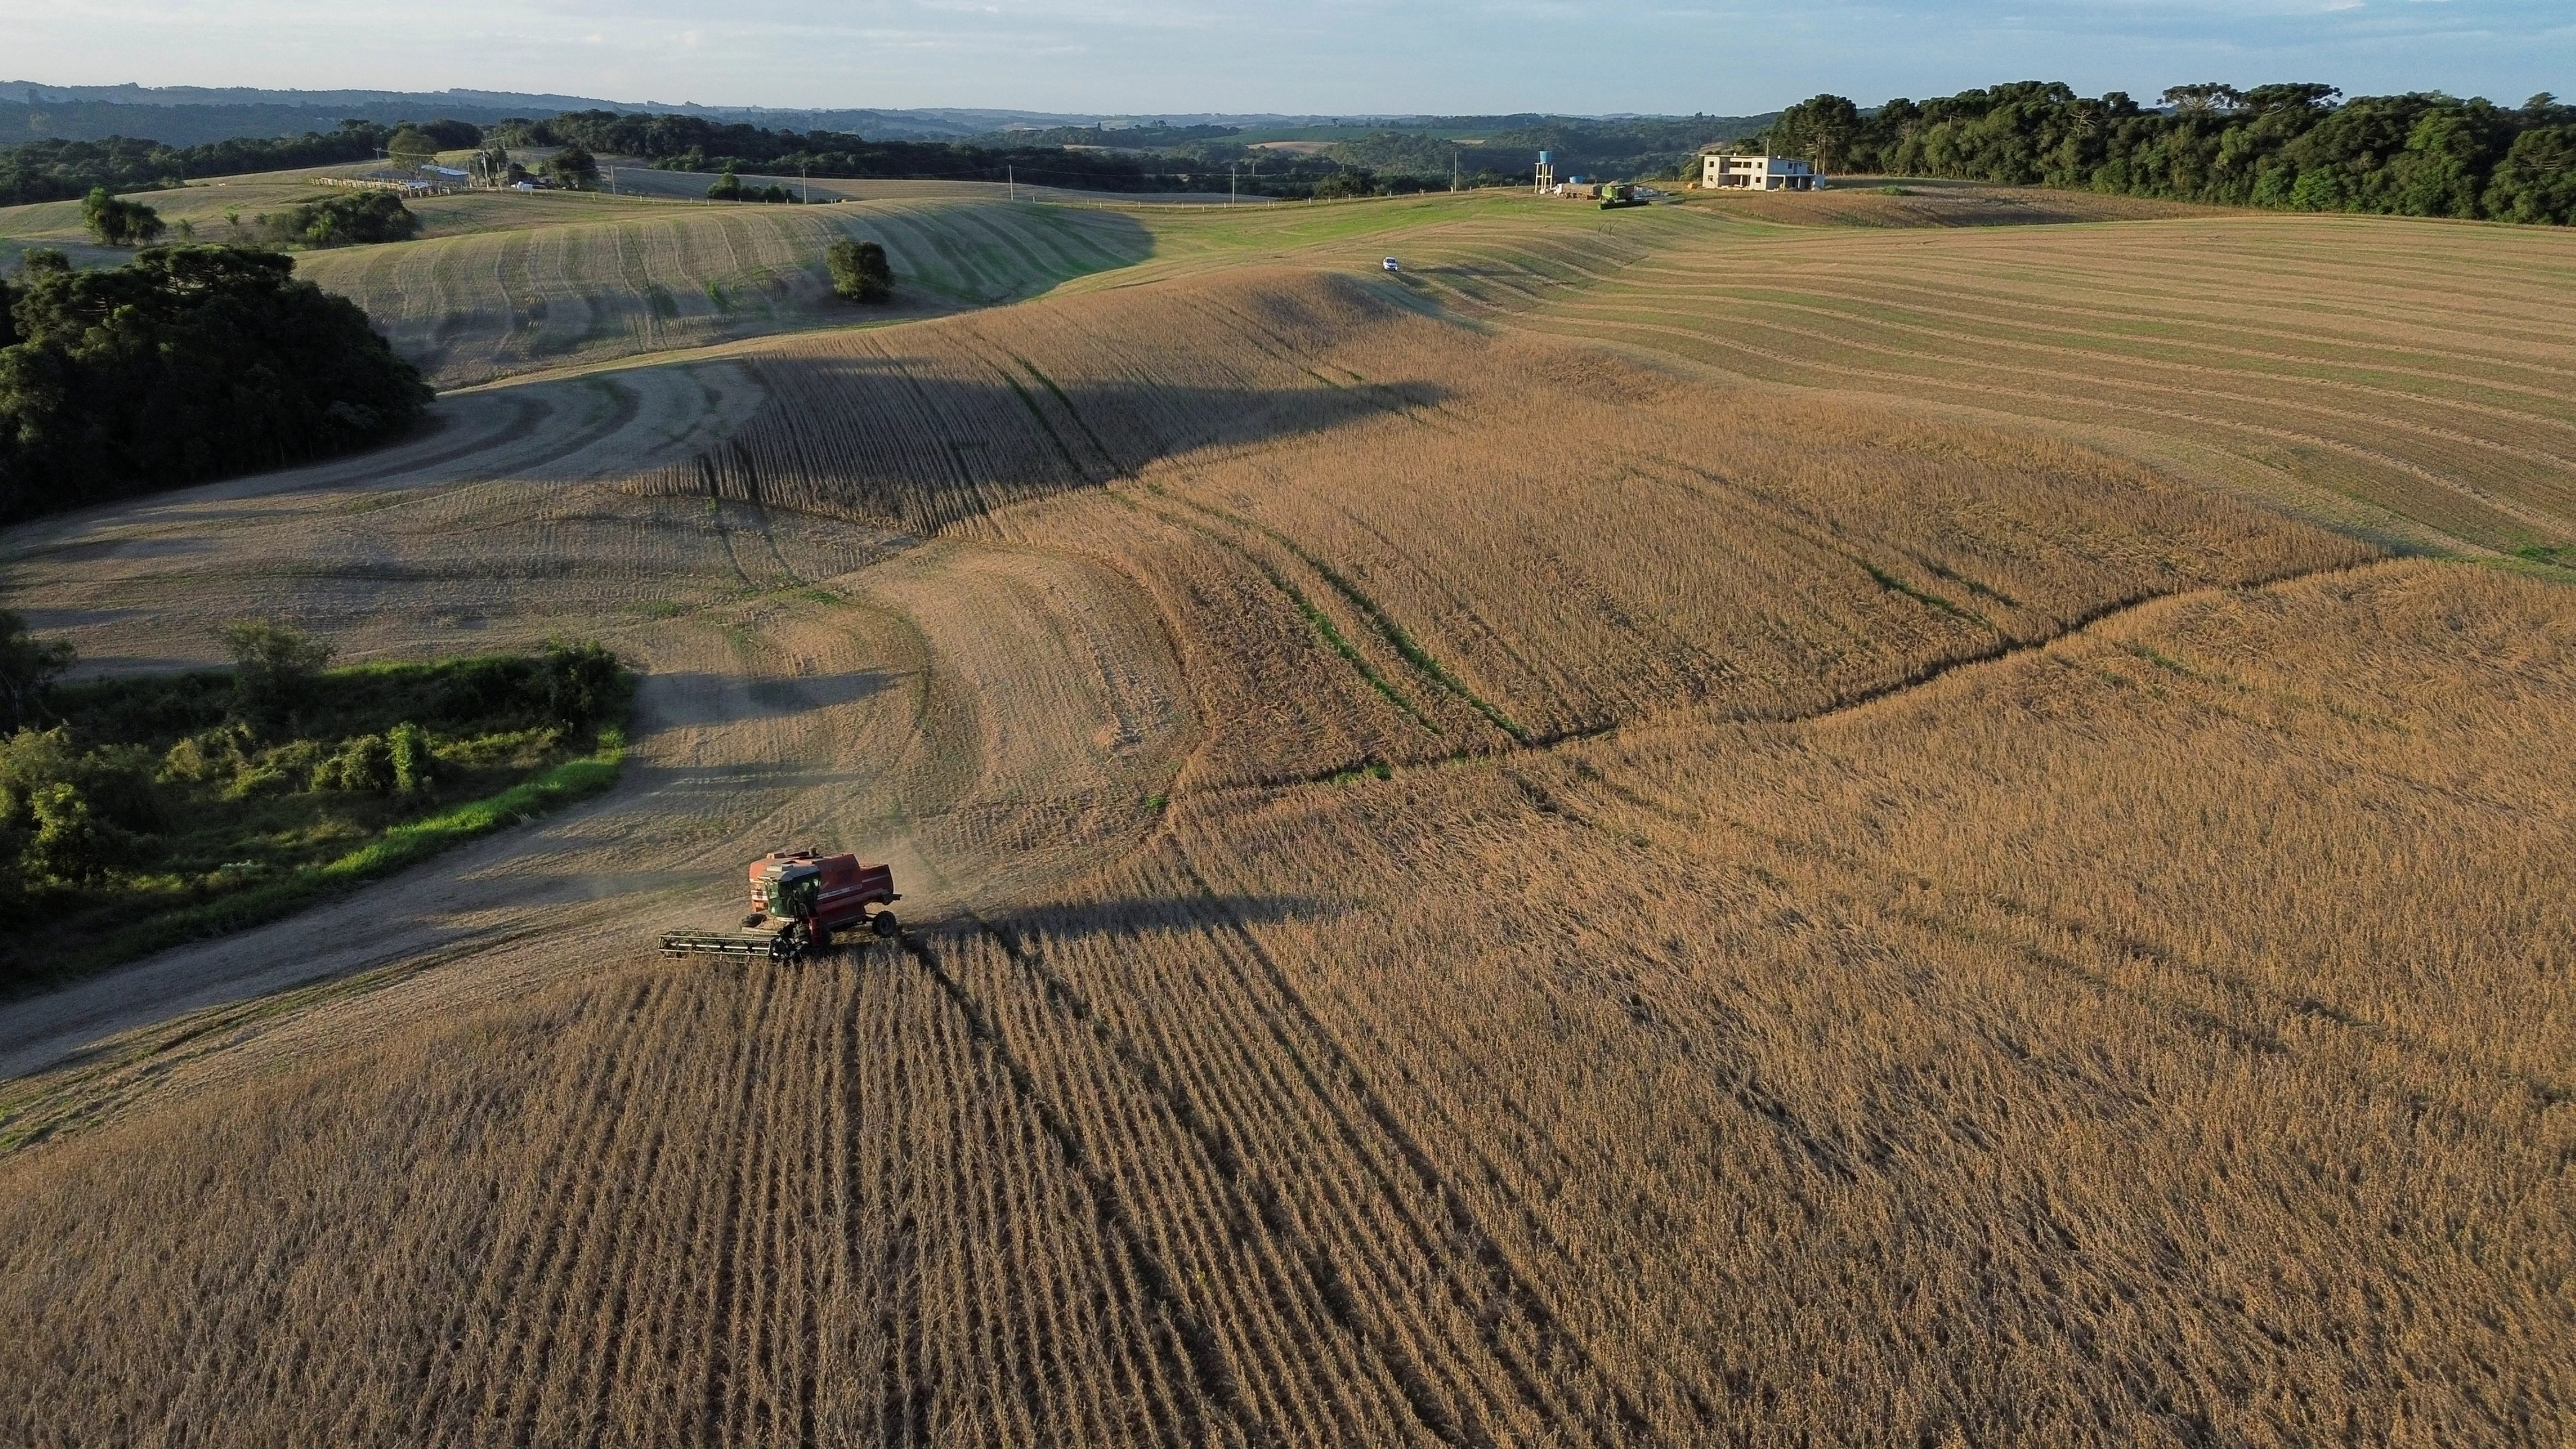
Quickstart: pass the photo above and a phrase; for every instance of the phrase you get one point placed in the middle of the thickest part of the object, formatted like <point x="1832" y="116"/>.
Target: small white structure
<point x="1725" y="170"/>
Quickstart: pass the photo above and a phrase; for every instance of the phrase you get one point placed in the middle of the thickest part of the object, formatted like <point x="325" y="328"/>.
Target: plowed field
<point x="1663" y="830"/>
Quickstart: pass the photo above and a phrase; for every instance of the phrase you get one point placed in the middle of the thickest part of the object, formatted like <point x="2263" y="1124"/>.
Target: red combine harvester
<point x="799" y="902"/>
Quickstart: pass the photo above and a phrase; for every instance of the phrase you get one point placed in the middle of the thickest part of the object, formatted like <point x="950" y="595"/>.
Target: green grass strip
<point x="399" y="847"/>
<point x="1393" y="633"/>
<point x="1403" y="644"/>
<point x="1323" y="626"/>
<point x="1896" y="585"/>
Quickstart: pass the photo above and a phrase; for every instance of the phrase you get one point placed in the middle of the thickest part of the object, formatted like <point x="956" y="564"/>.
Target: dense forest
<point x="62" y="170"/>
<point x="2295" y="146"/>
<point x="187" y="364"/>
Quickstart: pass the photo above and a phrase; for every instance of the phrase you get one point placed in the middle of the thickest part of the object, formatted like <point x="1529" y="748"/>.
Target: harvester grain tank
<point x="801" y="902"/>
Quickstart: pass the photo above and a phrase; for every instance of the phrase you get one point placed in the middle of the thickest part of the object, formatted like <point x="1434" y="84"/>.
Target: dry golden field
<point x="1668" y="829"/>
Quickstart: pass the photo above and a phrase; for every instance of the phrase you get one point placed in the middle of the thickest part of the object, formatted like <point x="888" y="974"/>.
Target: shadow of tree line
<point x="911" y="443"/>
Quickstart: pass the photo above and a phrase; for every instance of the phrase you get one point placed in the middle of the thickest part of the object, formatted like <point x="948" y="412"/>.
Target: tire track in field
<point x="1203" y="1358"/>
<point x="1505" y="1283"/>
<point x="1257" y="1196"/>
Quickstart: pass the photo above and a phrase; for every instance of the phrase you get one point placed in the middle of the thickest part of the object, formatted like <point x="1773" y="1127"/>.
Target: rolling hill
<point x="1701" y="825"/>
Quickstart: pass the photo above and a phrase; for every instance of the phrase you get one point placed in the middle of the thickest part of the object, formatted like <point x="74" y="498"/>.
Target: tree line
<point x="693" y="143"/>
<point x="2295" y="146"/>
<point x="56" y="170"/>
<point x="189" y="363"/>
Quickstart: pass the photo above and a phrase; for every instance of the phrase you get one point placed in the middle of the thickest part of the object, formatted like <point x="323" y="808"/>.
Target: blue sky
<point x="1136" y="56"/>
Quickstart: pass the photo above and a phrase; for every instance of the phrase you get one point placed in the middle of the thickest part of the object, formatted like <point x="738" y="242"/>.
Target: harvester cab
<point x="800" y="902"/>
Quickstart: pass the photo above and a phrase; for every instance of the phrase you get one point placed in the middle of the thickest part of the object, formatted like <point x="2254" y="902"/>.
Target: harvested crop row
<point x="1854" y="1067"/>
<point x="1377" y="469"/>
<point x="2448" y="414"/>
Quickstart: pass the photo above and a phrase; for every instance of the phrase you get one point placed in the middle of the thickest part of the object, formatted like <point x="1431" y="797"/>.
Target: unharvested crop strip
<point x="1116" y="468"/>
<point x="1057" y="439"/>
<point x="1895" y="585"/>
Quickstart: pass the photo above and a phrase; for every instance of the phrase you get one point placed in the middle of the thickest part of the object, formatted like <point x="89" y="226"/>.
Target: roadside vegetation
<point x="140" y="812"/>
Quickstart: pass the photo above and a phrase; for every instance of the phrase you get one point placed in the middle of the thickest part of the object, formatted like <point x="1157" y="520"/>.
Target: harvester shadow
<point x="908" y="442"/>
<point x="687" y="698"/>
<point x="1030" y="926"/>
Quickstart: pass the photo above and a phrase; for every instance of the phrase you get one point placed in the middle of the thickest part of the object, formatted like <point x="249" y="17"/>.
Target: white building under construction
<point x="1727" y="170"/>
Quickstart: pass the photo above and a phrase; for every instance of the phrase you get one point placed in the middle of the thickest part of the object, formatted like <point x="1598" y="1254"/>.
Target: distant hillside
<point x="194" y="115"/>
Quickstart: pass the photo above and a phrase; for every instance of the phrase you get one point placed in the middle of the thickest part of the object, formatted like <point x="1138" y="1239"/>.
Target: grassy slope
<point x="485" y="299"/>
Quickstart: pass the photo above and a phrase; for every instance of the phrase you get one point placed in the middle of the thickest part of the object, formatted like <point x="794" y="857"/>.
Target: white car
<point x="1393" y="266"/>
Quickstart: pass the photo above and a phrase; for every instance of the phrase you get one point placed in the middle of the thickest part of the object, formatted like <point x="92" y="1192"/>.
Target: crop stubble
<point x="1878" y="928"/>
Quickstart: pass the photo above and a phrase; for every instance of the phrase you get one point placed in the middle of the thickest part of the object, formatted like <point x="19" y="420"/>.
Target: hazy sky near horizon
<point x="1321" y="56"/>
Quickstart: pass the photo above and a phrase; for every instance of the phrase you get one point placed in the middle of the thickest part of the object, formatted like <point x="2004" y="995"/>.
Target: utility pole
<point x="804" y="188"/>
<point x="1011" y="179"/>
<point x="1453" y="170"/>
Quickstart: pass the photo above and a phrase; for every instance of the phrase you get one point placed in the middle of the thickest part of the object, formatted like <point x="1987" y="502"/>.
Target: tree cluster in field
<point x="347" y="219"/>
<point x="125" y="797"/>
<point x="859" y="270"/>
<point x="2294" y="146"/>
<point x="53" y="170"/>
<point x="187" y="364"/>
<point x="729" y="187"/>
<point x="116" y="223"/>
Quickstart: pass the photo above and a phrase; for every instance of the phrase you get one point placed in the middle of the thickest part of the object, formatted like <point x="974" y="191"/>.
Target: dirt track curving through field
<point x="806" y="682"/>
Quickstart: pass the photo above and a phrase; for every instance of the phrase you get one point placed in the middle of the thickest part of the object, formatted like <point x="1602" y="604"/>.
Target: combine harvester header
<point x="800" y="902"/>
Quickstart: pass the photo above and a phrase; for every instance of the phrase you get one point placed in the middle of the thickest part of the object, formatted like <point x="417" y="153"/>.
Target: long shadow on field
<point x="697" y="697"/>
<point x="907" y="441"/>
<point x="1142" y="916"/>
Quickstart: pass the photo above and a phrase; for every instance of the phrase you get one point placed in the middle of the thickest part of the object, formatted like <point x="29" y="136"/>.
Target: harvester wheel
<point x="885" y="925"/>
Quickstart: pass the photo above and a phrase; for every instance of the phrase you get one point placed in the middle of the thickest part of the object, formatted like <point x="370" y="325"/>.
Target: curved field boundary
<point x="472" y="307"/>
